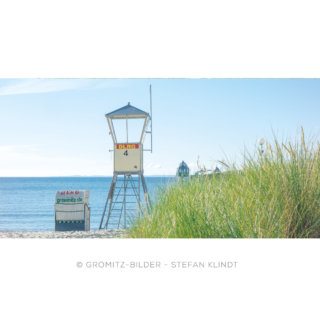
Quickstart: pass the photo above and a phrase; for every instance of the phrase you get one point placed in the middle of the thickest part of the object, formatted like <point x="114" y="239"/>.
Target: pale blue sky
<point x="52" y="127"/>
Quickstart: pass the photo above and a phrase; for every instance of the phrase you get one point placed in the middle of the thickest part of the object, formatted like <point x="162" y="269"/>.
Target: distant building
<point x="216" y="170"/>
<point x="183" y="170"/>
<point x="206" y="172"/>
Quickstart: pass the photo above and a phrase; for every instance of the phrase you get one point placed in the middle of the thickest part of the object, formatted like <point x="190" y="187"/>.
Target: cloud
<point x="52" y="85"/>
<point x="13" y="148"/>
<point x="26" y="153"/>
<point x="192" y="165"/>
<point x="157" y="166"/>
<point x="23" y="161"/>
<point x="149" y="166"/>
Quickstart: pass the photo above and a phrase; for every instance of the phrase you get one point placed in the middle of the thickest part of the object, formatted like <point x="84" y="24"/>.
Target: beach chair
<point x="71" y="210"/>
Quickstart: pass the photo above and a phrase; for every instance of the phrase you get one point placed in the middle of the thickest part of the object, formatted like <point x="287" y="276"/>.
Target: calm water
<point x="27" y="204"/>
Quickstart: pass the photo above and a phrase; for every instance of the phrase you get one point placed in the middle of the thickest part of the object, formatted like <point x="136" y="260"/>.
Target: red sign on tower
<point x="127" y="146"/>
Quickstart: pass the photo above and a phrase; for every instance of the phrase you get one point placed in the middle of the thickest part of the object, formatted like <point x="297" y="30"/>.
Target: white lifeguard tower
<point x="124" y="193"/>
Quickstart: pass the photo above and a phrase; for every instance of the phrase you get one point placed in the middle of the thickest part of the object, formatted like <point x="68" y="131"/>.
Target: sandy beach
<point x="94" y="234"/>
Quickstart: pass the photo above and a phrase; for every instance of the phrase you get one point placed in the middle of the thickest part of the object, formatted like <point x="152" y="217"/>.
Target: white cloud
<point x="149" y="166"/>
<point x="12" y="148"/>
<point x="192" y="165"/>
<point x="52" y="85"/>
<point x="26" y="153"/>
<point x="23" y="160"/>
<point x="157" y="166"/>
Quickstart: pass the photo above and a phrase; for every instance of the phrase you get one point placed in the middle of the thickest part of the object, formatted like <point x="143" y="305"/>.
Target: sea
<point x="27" y="204"/>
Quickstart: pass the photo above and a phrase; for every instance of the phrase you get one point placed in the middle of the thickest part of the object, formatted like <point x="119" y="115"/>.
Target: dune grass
<point x="276" y="194"/>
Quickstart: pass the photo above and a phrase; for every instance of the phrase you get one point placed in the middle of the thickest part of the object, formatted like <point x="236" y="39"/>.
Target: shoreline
<point x="94" y="234"/>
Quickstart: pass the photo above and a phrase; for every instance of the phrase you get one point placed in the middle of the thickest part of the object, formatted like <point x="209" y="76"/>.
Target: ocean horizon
<point x="27" y="203"/>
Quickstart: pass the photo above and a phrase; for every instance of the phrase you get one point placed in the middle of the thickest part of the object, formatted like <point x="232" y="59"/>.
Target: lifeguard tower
<point x="124" y="199"/>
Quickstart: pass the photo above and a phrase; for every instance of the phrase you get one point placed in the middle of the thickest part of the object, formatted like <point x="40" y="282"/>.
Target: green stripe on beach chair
<point x="70" y="221"/>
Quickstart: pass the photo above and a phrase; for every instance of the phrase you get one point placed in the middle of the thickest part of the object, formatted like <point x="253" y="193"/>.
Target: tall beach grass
<point x="276" y="194"/>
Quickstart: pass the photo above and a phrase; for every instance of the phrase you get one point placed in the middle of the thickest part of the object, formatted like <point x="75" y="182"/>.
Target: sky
<point x="57" y="127"/>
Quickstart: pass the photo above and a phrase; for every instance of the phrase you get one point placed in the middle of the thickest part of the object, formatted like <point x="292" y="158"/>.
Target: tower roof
<point x="183" y="165"/>
<point x="216" y="170"/>
<point x="129" y="112"/>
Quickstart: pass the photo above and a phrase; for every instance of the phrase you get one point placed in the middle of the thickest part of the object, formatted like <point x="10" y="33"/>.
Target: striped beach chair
<point x="71" y="210"/>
